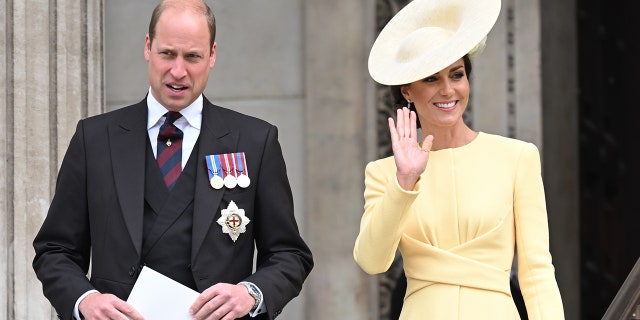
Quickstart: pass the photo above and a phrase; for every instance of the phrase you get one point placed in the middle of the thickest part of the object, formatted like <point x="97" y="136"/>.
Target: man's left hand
<point x="222" y="301"/>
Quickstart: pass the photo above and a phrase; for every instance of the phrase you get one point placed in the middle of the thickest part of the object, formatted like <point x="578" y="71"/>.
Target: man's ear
<point x="212" y="56"/>
<point x="147" y="47"/>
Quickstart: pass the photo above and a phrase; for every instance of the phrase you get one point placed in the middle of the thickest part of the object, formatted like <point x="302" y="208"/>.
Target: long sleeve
<point x="535" y="270"/>
<point x="386" y="211"/>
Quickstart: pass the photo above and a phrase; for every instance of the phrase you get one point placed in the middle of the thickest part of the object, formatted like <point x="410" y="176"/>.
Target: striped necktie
<point x="170" y="149"/>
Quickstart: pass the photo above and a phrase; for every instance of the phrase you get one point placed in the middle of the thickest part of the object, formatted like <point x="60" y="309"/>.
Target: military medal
<point x="213" y="163"/>
<point x="229" y="177"/>
<point x="233" y="221"/>
<point x="243" y="175"/>
<point x="216" y="182"/>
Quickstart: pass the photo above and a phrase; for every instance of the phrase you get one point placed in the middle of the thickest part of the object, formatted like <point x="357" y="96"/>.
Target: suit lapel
<point x="215" y="138"/>
<point x="128" y="142"/>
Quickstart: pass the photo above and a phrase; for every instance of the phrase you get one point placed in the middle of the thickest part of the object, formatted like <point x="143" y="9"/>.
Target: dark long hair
<point x="400" y="102"/>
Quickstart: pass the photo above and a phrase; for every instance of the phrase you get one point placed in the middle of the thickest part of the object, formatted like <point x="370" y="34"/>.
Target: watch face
<point x="254" y="289"/>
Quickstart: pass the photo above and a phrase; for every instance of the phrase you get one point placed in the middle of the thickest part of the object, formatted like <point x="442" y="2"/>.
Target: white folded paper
<point x="156" y="296"/>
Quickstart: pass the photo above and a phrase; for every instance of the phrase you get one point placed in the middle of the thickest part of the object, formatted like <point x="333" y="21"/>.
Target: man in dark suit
<point x="176" y="184"/>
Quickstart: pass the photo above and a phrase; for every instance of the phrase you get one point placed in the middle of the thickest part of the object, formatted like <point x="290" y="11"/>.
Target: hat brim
<point x="426" y="36"/>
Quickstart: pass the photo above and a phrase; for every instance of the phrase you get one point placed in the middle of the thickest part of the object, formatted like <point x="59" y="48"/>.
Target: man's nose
<point x="179" y="70"/>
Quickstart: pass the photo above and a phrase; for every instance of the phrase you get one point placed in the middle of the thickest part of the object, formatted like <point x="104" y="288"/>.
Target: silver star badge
<point x="233" y="221"/>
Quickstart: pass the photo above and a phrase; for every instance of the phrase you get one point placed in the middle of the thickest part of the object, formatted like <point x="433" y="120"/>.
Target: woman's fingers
<point x="406" y="123"/>
<point x="427" y="143"/>
<point x="414" y="126"/>
<point x="392" y="129"/>
<point x="400" y="123"/>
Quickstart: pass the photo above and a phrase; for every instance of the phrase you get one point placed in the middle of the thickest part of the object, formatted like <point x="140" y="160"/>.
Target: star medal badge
<point x="215" y="172"/>
<point x="233" y="221"/>
<point x="241" y="170"/>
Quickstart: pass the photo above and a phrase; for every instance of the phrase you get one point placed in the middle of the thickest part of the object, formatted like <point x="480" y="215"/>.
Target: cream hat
<point x="426" y="36"/>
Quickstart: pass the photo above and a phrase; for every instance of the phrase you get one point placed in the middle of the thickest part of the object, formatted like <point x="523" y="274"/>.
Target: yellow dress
<point x="458" y="229"/>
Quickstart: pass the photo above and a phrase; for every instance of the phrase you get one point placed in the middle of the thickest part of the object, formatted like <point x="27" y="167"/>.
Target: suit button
<point x="132" y="272"/>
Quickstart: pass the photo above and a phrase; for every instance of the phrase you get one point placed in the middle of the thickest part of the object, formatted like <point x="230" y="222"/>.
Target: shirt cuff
<point x="76" y="312"/>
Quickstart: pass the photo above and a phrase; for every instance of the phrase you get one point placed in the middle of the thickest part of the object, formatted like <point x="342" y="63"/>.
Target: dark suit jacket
<point x="97" y="211"/>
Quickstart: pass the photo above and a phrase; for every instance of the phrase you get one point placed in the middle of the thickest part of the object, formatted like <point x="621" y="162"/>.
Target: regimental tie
<point x="170" y="149"/>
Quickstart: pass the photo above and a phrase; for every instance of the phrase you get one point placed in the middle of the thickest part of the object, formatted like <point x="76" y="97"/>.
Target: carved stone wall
<point x="51" y="75"/>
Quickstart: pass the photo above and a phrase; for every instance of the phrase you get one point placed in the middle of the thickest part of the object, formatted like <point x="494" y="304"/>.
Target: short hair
<point x="400" y="102"/>
<point x="201" y="7"/>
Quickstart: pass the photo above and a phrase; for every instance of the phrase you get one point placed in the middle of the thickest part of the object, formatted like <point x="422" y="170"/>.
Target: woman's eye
<point x="458" y="75"/>
<point x="430" y="79"/>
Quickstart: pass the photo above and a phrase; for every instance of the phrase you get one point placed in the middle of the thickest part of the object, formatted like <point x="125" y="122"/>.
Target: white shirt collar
<point x="192" y="113"/>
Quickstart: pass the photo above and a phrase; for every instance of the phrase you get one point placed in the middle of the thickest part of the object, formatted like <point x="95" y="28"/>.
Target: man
<point x="176" y="184"/>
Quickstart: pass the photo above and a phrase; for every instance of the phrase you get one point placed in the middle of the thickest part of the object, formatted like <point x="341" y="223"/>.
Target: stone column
<point x="336" y="51"/>
<point x="561" y="162"/>
<point x="51" y="69"/>
<point x="506" y="97"/>
<point x="525" y="86"/>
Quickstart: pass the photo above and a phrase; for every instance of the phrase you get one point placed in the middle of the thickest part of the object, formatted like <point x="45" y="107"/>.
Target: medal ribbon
<point x="226" y="163"/>
<point x="211" y="165"/>
<point x="218" y="164"/>
<point x="242" y="163"/>
<point x="237" y="168"/>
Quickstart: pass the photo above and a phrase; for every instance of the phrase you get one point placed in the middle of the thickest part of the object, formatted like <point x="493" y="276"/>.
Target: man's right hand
<point x="107" y="306"/>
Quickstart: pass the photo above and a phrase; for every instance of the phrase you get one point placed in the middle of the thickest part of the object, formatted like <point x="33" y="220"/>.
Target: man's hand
<point x="222" y="301"/>
<point x="107" y="306"/>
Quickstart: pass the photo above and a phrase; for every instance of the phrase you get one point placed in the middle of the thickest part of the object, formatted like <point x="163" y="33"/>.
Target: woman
<point x="458" y="203"/>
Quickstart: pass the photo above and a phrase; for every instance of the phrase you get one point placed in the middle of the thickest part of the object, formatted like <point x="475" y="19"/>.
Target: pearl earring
<point x="408" y="104"/>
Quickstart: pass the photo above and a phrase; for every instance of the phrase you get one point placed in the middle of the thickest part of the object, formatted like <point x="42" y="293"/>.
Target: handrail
<point x="626" y="303"/>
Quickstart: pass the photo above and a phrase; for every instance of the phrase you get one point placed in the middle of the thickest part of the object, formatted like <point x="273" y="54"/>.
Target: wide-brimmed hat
<point x="426" y="36"/>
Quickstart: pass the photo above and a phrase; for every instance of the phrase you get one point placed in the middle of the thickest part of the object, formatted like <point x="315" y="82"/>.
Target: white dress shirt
<point x="189" y="123"/>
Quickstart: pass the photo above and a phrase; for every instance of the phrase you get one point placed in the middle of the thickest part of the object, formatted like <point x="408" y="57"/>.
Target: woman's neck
<point x="451" y="137"/>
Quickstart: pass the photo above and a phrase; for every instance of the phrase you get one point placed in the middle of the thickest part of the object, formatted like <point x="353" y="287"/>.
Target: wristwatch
<point x="254" y="292"/>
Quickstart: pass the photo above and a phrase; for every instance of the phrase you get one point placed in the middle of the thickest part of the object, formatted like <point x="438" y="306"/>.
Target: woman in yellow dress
<point x="459" y="202"/>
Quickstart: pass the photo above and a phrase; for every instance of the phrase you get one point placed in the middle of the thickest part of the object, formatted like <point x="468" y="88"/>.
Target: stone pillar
<point x="525" y="86"/>
<point x="336" y="51"/>
<point x="506" y="97"/>
<point x="51" y="69"/>
<point x="560" y="161"/>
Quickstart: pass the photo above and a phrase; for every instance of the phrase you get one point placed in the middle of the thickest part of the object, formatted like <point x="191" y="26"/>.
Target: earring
<point x="408" y="104"/>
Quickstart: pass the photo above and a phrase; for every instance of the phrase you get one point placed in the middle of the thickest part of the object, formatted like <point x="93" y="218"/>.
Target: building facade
<point x="302" y="65"/>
